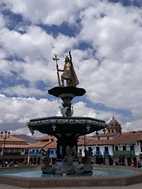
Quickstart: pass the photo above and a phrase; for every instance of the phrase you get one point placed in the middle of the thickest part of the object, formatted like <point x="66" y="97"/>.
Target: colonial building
<point x="45" y="146"/>
<point x="16" y="151"/>
<point x="12" y="149"/>
<point x="123" y="148"/>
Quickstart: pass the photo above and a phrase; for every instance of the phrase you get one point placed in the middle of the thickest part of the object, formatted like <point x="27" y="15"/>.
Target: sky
<point x="105" y="38"/>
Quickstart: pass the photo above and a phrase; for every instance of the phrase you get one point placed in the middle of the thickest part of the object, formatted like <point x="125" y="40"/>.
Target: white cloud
<point x="20" y="110"/>
<point x="133" y="125"/>
<point x="114" y="28"/>
<point x="38" y="71"/>
<point x="23" y="130"/>
<point x="63" y="43"/>
<point x="21" y="90"/>
<point x="5" y="67"/>
<point x="36" y="48"/>
<point x="33" y="45"/>
<point x="80" y="109"/>
<point x="48" y="12"/>
<point x="115" y="33"/>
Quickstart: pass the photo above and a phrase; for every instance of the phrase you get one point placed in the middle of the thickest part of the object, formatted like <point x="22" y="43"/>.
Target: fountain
<point x="67" y="128"/>
<point x="68" y="171"/>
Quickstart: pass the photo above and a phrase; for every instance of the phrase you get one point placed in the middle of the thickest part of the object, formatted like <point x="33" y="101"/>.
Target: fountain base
<point x="110" y="176"/>
<point x="68" y="167"/>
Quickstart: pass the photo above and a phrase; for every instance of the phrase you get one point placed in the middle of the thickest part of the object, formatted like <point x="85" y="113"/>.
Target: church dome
<point x="114" y="126"/>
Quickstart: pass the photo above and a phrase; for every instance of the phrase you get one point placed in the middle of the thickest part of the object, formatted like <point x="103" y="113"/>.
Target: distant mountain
<point x="28" y="139"/>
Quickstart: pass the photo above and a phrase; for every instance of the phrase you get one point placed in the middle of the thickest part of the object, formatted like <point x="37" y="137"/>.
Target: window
<point x="106" y="148"/>
<point x="132" y="148"/>
<point x="141" y="145"/>
<point x="80" y="151"/>
<point x="124" y="148"/>
<point x="106" y="152"/>
<point x="97" y="148"/>
<point x="90" y="151"/>
<point x="116" y="148"/>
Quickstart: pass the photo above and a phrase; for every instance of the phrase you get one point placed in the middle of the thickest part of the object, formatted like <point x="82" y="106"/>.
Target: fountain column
<point x="66" y="144"/>
<point x="67" y="141"/>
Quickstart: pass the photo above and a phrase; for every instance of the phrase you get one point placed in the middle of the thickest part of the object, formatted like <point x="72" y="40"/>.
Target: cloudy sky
<point x="105" y="38"/>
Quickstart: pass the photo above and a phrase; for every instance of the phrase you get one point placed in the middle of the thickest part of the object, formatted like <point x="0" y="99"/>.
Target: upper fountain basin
<point x="59" y="91"/>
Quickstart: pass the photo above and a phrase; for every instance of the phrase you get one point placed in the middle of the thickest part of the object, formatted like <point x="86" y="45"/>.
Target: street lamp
<point x="85" y="150"/>
<point x="3" y="135"/>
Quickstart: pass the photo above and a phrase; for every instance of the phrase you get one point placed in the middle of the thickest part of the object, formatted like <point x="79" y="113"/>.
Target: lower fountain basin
<point x="102" y="176"/>
<point x="100" y="172"/>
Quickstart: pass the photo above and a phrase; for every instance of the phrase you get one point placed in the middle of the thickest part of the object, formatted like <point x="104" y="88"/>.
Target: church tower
<point x="114" y="127"/>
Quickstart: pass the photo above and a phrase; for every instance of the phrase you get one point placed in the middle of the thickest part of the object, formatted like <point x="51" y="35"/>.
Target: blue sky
<point x="105" y="38"/>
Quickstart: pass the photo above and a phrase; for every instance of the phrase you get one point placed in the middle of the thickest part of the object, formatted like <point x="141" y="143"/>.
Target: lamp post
<point x="3" y="135"/>
<point x="85" y="150"/>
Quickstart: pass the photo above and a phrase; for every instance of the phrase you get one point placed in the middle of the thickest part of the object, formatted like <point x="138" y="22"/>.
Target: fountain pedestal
<point x="67" y="141"/>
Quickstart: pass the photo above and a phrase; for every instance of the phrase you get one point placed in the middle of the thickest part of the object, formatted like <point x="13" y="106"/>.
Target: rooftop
<point x="123" y="138"/>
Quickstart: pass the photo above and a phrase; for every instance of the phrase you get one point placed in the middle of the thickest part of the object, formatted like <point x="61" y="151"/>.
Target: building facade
<point x="13" y="150"/>
<point x="120" y="148"/>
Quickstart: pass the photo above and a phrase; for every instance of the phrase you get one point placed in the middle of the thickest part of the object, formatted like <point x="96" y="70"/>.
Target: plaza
<point x="136" y="186"/>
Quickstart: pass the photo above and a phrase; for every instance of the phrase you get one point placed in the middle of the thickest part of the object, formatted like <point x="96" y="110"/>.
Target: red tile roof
<point x="12" y="138"/>
<point x="128" y="137"/>
<point x="13" y="142"/>
<point x="46" y="142"/>
<point x="14" y="146"/>
<point x="43" y="145"/>
<point x="124" y="138"/>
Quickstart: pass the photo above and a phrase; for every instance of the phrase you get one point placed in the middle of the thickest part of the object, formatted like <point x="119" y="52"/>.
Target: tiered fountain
<point x="67" y="128"/>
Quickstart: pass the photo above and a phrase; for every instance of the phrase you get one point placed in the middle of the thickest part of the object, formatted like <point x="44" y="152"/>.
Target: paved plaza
<point x="136" y="186"/>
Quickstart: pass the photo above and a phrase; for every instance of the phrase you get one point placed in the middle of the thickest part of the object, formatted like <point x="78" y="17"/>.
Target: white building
<point x="121" y="148"/>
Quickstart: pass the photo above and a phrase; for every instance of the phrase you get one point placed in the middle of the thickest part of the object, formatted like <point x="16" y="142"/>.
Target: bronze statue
<point x="68" y="74"/>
